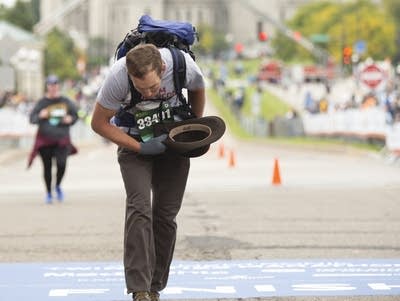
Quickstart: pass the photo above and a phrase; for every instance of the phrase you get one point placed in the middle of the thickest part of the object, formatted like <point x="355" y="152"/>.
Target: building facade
<point x="21" y="61"/>
<point x="112" y="19"/>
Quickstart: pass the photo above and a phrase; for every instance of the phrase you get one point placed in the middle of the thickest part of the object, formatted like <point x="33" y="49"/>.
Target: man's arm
<point x="197" y="99"/>
<point x="101" y="125"/>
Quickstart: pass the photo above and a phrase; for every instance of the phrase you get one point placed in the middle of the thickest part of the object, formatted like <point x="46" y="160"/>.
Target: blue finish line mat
<point x="104" y="281"/>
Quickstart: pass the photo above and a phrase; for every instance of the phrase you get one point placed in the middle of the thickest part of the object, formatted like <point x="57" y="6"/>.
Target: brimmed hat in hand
<point x="192" y="137"/>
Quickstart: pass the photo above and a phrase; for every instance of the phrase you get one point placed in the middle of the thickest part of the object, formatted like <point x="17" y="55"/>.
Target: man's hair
<point x="143" y="59"/>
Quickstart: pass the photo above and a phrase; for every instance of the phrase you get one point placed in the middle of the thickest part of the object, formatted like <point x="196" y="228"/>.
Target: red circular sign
<point x="372" y="76"/>
<point x="239" y="48"/>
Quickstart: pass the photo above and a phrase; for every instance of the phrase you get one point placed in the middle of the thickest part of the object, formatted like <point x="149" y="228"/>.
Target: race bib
<point x="146" y="118"/>
<point x="57" y="113"/>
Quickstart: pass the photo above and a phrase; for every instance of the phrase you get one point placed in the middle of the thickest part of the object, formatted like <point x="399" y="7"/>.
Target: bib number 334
<point x="146" y="119"/>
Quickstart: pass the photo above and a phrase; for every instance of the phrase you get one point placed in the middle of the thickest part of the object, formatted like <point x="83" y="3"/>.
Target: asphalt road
<point x="335" y="203"/>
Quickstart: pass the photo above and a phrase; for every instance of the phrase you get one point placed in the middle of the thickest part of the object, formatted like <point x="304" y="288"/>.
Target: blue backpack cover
<point x="161" y="33"/>
<point x="183" y="30"/>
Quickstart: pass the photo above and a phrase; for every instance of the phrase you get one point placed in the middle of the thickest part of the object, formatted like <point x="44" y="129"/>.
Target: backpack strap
<point x="135" y="95"/>
<point x="179" y="71"/>
<point x="184" y="110"/>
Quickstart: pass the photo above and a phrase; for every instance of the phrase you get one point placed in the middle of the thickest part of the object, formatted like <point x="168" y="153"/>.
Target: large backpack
<point x="173" y="35"/>
<point x="161" y="33"/>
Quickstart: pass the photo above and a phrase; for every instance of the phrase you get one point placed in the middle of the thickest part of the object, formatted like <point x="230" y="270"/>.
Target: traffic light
<point x="347" y="52"/>
<point x="262" y="36"/>
<point x="239" y="48"/>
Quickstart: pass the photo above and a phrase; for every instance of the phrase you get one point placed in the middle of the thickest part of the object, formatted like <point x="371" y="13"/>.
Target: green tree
<point x="61" y="55"/>
<point x="3" y="11"/>
<point x="344" y="24"/>
<point x="97" y="52"/>
<point x="21" y="15"/>
<point x="210" y="41"/>
<point x="393" y="9"/>
<point x="35" y="4"/>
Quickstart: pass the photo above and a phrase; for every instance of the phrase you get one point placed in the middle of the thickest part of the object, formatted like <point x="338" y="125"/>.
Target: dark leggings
<point x="60" y="154"/>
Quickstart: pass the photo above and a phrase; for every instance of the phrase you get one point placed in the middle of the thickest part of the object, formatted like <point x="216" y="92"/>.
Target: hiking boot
<point x="49" y="198"/>
<point x="60" y="194"/>
<point x="154" y="296"/>
<point x="141" y="296"/>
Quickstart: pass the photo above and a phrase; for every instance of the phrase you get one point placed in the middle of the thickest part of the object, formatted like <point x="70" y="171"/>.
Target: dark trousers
<point x="154" y="190"/>
<point x="47" y="153"/>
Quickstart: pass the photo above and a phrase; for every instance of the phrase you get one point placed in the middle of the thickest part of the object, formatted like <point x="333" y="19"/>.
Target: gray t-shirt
<point x="115" y="89"/>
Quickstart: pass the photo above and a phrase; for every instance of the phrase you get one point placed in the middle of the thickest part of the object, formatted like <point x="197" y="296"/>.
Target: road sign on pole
<point x="360" y="47"/>
<point x="371" y="76"/>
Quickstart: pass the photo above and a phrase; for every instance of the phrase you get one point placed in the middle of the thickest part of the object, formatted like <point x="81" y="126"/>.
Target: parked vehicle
<point x="318" y="73"/>
<point x="271" y="72"/>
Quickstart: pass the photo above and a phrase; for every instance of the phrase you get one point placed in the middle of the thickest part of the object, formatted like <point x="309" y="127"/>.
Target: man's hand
<point x="154" y="146"/>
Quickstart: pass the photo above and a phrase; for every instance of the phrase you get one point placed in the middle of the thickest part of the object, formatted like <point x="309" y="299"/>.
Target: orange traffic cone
<point x="232" y="159"/>
<point x="221" y="151"/>
<point x="276" y="177"/>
